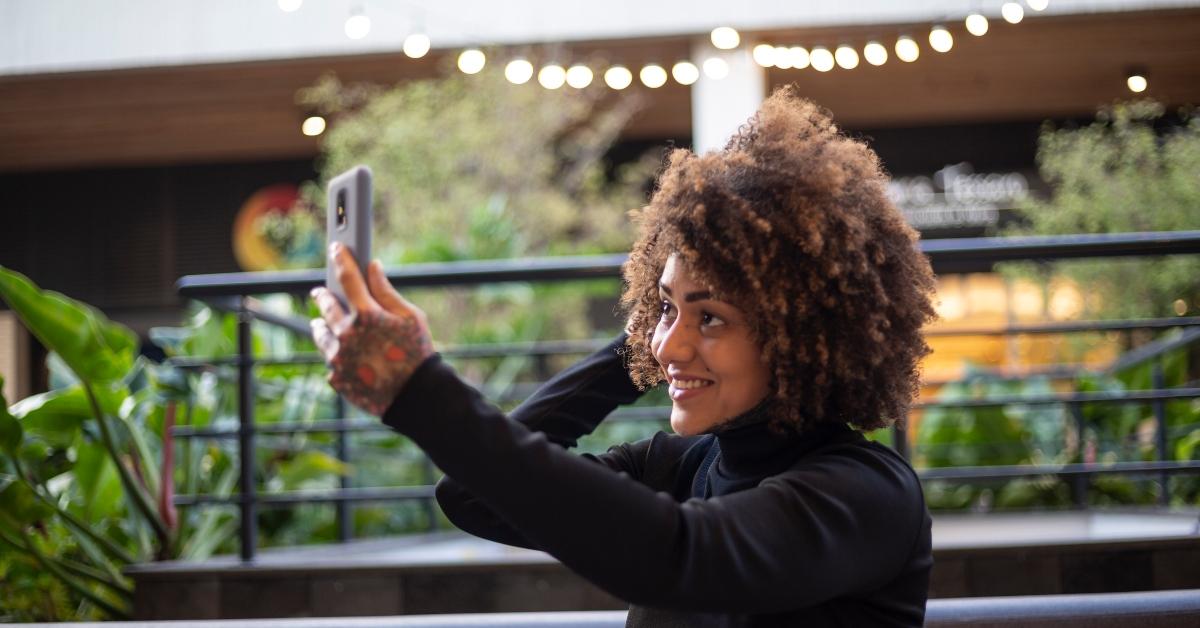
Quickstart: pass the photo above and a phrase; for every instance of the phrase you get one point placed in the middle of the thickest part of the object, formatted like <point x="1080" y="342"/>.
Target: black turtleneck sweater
<point x="738" y="528"/>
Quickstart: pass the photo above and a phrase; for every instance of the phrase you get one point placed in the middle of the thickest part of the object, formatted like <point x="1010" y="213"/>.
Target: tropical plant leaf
<point x="97" y="349"/>
<point x="10" y="428"/>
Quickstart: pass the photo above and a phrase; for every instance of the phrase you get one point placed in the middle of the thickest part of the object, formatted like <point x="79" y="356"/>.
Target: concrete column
<point x="719" y="107"/>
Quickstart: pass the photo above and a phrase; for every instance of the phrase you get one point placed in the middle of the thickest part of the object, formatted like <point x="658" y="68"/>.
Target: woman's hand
<point x="373" y="349"/>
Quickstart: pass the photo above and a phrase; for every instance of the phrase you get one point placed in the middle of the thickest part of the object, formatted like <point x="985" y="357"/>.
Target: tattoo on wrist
<point x="376" y="357"/>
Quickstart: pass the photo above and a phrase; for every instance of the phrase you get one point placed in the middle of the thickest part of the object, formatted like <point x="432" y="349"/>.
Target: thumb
<point x="383" y="291"/>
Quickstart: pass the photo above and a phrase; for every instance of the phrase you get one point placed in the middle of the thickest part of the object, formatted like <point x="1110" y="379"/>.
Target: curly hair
<point x="791" y="222"/>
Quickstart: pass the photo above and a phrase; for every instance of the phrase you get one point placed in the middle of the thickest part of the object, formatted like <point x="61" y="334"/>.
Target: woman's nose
<point x="677" y="343"/>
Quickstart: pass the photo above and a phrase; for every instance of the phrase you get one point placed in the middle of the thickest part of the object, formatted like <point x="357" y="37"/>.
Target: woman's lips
<point x="688" y="390"/>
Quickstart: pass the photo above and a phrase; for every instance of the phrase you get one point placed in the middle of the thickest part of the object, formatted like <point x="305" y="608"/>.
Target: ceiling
<point x="1048" y="67"/>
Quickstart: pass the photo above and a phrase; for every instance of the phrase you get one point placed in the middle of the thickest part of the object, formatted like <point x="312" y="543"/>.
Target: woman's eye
<point x="665" y="309"/>
<point x="709" y="319"/>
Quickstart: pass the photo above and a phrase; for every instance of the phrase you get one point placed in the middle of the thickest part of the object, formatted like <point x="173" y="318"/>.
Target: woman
<point x="781" y="296"/>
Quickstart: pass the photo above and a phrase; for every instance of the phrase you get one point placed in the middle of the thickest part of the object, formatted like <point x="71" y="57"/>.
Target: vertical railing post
<point x="249" y="520"/>
<point x="430" y="507"/>
<point x="1080" y="483"/>
<point x="1160" y="423"/>
<point x="345" y="523"/>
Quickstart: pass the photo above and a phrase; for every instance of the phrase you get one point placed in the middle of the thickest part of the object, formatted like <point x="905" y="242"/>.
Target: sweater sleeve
<point x="568" y="406"/>
<point x="842" y="524"/>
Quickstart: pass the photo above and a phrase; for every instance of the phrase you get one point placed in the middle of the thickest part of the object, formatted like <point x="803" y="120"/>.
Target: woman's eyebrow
<point x="699" y="295"/>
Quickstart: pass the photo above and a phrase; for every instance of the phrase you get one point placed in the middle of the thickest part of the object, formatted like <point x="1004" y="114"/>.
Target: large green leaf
<point x="19" y="506"/>
<point x="97" y="349"/>
<point x="57" y="416"/>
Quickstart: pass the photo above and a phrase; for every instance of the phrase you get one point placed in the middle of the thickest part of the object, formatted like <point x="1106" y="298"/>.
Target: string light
<point x="289" y="6"/>
<point x="846" y="56"/>
<point x="579" y="76"/>
<point x="1136" y="82"/>
<point x="518" y="71"/>
<point x="821" y="59"/>
<point x="358" y="25"/>
<point x="618" y="77"/>
<point x="471" y="61"/>
<point x="716" y="68"/>
<point x="313" y="126"/>
<point x="653" y="76"/>
<point x="783" y="58"/>
<point x="1012" y="12"/>
<point x="416" y="45"/>
<point x="685" y="73"/>
<point x="725" y="38"/>
<point x="764" y="55"/>
<point x="875" y="53"/>
<point x="799" y="56"/>
<point x="1038" y="5"/>
<point x="907" y="49"/>
<point x="553" y="76"/>
<point x="977" y="24"/>
<point x="940" y="39"/>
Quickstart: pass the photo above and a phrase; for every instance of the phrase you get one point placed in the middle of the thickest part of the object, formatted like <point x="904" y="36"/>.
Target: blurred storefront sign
<point x="957" y="197"/>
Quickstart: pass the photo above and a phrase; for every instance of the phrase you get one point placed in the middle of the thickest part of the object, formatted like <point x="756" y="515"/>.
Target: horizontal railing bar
<point x="999" y="472"/>
<point x="305" y="497"/>
<point x="1126" y="396"/>
<point x="945" y="255"/>
<point x="1069" y="326"/>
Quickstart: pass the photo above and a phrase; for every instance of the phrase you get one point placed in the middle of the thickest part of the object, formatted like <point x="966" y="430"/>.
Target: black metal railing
<point x="234" y="292"/>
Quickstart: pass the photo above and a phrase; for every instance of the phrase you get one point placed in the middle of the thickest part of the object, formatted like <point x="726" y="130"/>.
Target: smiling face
<point x="708" y="354"/>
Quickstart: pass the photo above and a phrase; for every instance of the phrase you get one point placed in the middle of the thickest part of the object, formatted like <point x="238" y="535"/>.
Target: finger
<point x="351" y="279"/>
<point x="325" y="339"/>
<point x="383" y="291"/>
<point x="331" y="309"/>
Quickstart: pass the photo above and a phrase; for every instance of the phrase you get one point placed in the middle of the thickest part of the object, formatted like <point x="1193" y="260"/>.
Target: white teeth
<point x="688" y="384"/>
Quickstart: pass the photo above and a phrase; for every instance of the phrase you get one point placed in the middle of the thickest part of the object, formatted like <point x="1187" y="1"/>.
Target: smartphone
<point x="349" y="222"/>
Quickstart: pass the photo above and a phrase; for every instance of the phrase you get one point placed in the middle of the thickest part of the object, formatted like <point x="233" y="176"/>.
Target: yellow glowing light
<point x="977" y="24"/>
<point x="940" y="39"/>
<point x="799" y="57"/>
<point x="1012" y="12"/>
<point x="653" y="76"/>
<point x="518" y="71"/>
<point x="1137" y="83"/>
<point x="716" y="68"/>
<point x="725" y="38"/>
<point x="552" y="76"/>
<point x="313" y="126"/>
<point x="357" y="26"/>
<point x="471" y="61"/>
<point x="416" y="45"/>
<point x="579" y="76"/>
<point x="821" y="59"/>
<point x="685" y="73"/>
<point x="764" y="55"/>
<point x="618" y="77"/>
<point x="1038" y="5"/>
<point x="875" y="53"/>
<point x="907" y="49"/>
<point x="846" y="56"/>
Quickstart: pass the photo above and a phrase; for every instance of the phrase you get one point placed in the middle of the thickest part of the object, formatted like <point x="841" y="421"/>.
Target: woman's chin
<point x="687" y="423"/>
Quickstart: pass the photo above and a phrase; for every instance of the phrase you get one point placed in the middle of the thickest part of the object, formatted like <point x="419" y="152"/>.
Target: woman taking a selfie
<point x="781" y="296"/>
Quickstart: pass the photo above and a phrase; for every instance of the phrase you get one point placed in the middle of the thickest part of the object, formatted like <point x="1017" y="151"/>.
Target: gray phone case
<point x="355" y="231"/>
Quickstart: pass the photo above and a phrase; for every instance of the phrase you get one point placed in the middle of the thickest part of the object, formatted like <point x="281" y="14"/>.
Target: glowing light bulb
<point x="875" y="53"/>
<point x="685" y="73"/>
<point x="471" y="61"/>
<point x="977" y="24"/>
<point x="846" y="56"/>
<point x="1038" y="5"/>
<point x="725" y="38"/>
<point x="653" y="76"/>
<point x="716" y="68"/>
<point x="552" y="76"/>
<point x="799" y="57"/>
<point x="940" y="39"/>
<point x="1012" y="12"/>
<point x="907" y="49"/>
<point x="518" y="71"/>
<point x="357" y="26"/>
<point x="313" y="126"/>
<point x="288" y="6"/>
<point x="618" y="77"/>
<point x="1137" y="83"/>
<point x="579" y="76"/>
<point x="764" y="55"/>
<point x="416" y="45"/>
<point x="821" y="59"/>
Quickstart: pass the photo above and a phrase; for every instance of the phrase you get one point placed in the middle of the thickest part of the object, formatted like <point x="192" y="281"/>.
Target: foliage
<point x="1121" y="173"/>
<point x="1049" y="434"/>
